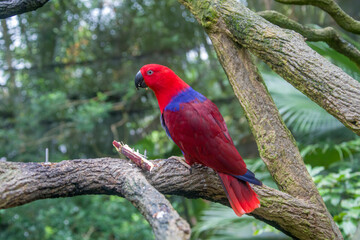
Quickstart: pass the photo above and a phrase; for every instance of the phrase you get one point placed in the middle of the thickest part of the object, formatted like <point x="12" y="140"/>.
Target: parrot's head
<point x="157" y="78"/>
<point x="162" y="80"/>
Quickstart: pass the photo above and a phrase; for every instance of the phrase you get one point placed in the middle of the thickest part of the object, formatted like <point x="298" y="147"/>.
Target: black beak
<point x="139" y="81"/>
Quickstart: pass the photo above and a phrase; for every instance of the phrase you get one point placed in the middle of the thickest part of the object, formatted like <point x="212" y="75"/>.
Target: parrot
<point x="196" y="126"/>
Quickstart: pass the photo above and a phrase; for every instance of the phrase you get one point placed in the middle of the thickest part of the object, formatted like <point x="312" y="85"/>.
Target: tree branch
<point x="333" y="9"/>
<point x="287" y="53"/>
<point x="328" y="34"/>
<point x="10" y="8"/>
<point x="277" y="146"/>
<point x="26" y="182"/>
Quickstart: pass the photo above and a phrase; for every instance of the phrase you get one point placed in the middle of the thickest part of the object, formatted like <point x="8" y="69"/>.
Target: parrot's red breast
<point x="195" y="124"/>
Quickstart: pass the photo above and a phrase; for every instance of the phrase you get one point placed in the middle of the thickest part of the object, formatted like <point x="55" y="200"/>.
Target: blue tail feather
<point x="249" y="177"/>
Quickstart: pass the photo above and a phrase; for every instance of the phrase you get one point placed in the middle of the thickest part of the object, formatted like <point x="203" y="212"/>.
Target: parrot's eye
<point x="150" y="72"/>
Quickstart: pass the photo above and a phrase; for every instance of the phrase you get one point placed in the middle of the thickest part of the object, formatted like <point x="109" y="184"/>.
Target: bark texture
<point x="10" y="8"/>
<point x="328" y="34"/>
<point x="333" y="9"/>
<point x="26" y="182"/>
<point x="276" y="145"/>
<point x="287" y="53"/>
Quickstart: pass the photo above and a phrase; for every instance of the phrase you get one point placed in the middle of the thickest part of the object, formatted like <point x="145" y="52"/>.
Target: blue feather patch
<point x="189" y="95"/>
<point x="249" y="176"/>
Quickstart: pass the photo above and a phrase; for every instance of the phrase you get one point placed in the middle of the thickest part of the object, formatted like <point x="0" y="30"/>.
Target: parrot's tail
<point x="241" y="196"/>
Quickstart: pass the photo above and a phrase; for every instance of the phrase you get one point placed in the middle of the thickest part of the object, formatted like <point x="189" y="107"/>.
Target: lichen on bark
<point x="235" y="30"/>
<point x="287" y="53"/>
<point x="120" y="177"/>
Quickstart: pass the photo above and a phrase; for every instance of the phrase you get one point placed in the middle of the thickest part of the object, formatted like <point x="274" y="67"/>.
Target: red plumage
<point x="201" y="133"/>
<point x="195" y="124"/>
<point x="241" y="196"/>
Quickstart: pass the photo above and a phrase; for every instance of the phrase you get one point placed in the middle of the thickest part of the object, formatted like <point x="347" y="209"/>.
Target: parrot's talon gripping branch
<point x="139" y="159"/>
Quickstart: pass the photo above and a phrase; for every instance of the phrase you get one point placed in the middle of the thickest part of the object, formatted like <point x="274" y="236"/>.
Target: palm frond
<point x="221" y="223"/>
<point x="300" y="114"/>
<point x="346" y="150"/>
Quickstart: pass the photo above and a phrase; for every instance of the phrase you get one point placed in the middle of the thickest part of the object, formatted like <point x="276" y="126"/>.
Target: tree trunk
<point x="277" y="146"/>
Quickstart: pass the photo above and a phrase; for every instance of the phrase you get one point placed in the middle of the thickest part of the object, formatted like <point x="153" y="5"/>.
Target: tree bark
<point x="328" y="34"/>
<point x="333" y="9"/>
<point x="10" y="8"/>
<point x="287" y="53"/>
<point x="277" y="146"/>
<point x="26" y="182"/>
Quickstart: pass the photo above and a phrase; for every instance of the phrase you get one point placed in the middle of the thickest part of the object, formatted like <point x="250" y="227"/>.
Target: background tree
<point x="67" y="76"/>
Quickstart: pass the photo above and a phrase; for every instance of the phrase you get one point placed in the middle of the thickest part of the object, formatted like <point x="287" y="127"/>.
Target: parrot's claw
<point x="182" y="161"/>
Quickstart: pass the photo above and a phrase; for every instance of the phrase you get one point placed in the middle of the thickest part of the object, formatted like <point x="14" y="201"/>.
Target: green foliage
<point x="85" y="217"/>
<point x="348" y="152"/>
<point x="341" y="193"/>
<point x="89" y="114"/>
<point x="305" y="118"/>
<point x="220" y="222"/>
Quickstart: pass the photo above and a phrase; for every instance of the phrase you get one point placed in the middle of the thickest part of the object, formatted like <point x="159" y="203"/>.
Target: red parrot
<point x="196" y="126"/>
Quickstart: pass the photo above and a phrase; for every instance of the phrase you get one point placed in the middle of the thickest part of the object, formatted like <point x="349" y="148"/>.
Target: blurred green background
<point x="67" y="84"/>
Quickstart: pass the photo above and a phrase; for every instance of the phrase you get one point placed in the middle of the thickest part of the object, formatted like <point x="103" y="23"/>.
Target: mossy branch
<point x="286" y="52"/>
<point x="276" y="145"/>
<point x="26" y="182"/>
<point x="234" y="30"/>
<point x="333" y="9"/>
<point x="328" y="34"/>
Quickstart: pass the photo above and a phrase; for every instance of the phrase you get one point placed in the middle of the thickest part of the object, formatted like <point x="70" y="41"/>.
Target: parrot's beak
<point x="139" y="81"/>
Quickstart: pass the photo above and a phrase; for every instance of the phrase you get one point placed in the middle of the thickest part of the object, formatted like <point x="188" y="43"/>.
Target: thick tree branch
<point x="10" y="8"/>
<point x="333" y="9"/>
<point x="287" y="53"/>
<point x="328" y="34"/>
<point x="26" y="182"/>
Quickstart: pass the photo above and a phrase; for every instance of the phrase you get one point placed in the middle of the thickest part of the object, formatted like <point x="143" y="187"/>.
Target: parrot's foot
<point x="182" y="161"/>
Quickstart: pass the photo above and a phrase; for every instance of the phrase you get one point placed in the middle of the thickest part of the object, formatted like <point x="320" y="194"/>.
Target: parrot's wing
<point x="164" y="126"/>
<point x="200" y="131"/>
